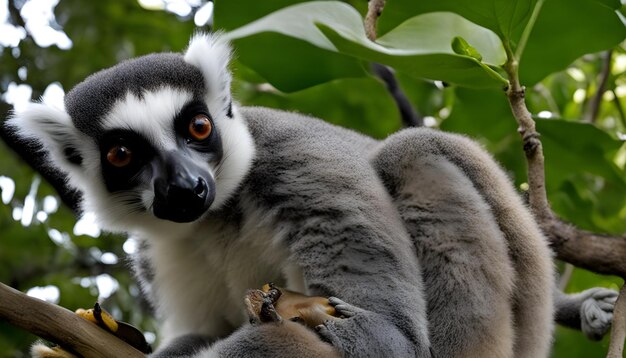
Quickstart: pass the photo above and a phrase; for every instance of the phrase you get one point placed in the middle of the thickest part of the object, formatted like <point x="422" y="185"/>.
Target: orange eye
<point x="200" y="127"/>
<point x="119" y="156"/>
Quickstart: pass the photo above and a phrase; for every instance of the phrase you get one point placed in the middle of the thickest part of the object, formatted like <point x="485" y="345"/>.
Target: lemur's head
<point x="151" y="139"/>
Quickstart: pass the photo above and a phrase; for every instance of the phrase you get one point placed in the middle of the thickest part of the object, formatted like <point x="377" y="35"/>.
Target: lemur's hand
<point x="273" y="304"/>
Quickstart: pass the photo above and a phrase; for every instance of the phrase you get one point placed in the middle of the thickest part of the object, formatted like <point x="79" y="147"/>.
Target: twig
<point x="598" y="253"/>
<point x="521" y="45"/>
<point x="60" y="326"/>
<point x="618" y="329"/>
<point x="532" y="145"/>
<point x="408" y="113"/>
<point x="374" y="9"/>
<point x="620" y="110"/>
<point x="596" y="101"/>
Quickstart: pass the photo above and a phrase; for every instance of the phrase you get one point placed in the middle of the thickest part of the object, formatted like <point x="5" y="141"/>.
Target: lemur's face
<point x="151" y="139"/>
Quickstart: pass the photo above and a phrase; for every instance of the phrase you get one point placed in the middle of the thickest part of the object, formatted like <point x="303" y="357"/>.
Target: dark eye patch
<point x="124" y="177"/>
<point x="212" y="144"/>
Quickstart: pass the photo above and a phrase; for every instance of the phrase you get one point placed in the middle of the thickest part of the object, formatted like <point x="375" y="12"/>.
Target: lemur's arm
<point x="591" y="311"/>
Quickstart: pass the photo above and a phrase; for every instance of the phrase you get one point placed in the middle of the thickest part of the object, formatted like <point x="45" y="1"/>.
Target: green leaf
<point x="233" y="14"/>
<point x="315" y="42"/>
<point x="573" y="148"/>
<point x="461" y="47"/>
<point x="298" y="55"/>
<point x="564" y="32"/>
<point x="506" y="18"/>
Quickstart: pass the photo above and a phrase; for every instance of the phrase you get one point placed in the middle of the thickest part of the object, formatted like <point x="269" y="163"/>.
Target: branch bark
<point x="618" y="330"/>
<point x="374" y="9"/>
<point x="599" y="253"/>
<point x="61" y="326"/>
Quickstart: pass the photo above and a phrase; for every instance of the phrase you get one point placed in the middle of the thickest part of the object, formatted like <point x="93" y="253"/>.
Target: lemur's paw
<point x="596" y="312"/>
<point x="260" y="305"/>
<point x="342" y="308"/>
<point x="272" y="304"/>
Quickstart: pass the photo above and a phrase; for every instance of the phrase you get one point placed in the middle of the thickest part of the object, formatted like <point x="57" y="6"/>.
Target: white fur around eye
<point x="151" y="115"/>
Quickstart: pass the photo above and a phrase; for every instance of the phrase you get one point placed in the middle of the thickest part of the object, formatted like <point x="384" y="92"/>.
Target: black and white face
<point x="164" y="159"/>
<point x="151" y="139"/>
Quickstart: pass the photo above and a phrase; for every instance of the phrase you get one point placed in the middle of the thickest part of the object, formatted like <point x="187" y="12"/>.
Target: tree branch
<point x="532" y="145"/>
<point x="410" y="116"/>
<point x="618" y="106"/>
<point x="603" y="254"/>
<point x="594" y="104"/>
<point x="61" y="326"/>
<point x="374" y="9"/>
<point x="599" y="253"/>
<point x="618" y="329"/>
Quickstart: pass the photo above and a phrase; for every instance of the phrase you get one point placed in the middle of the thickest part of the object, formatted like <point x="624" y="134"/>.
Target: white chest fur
<point x="200" y="280"/>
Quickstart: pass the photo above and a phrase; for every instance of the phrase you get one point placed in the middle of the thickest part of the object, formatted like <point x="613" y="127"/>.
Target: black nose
<point x="187" y="194"/>
<point x="181" y="200"/>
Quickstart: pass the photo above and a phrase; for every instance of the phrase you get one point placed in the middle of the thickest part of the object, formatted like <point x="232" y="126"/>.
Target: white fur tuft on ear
<point x="211" y="54"/>
<point x="51" y="127"/>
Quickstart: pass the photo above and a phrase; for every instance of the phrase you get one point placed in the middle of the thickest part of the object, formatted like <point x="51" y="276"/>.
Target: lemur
<point x="420" y="239"/>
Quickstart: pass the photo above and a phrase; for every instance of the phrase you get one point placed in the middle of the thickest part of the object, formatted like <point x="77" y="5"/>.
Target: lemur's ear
<point x="211" y="54"/>
<point x="53" y="128"/>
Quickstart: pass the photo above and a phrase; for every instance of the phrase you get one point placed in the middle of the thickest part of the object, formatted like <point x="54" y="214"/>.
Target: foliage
<point x="313" y="57"/>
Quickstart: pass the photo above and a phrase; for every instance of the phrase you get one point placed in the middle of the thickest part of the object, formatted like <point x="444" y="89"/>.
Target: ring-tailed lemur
<point x="422" y="232"/>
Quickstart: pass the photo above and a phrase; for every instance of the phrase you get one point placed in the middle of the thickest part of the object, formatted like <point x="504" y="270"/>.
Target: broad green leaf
<point x="578" y="148"/>
<point x="315" y="42"/>
<point x="231" y="14"/>
<point x="435" y="32"/>
<point x="564" y="32"/>
<point x="290" y="52"/>
<point x="506" y="18"/>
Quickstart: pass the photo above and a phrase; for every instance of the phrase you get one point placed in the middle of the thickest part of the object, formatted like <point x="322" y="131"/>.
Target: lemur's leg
<point x="468" y="274"/>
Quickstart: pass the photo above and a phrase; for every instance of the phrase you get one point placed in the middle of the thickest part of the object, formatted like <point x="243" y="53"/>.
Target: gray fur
<point x="465" y="216"/>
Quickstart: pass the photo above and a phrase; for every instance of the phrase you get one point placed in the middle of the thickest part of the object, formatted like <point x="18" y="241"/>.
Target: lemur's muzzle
<point x="182" y="190"/>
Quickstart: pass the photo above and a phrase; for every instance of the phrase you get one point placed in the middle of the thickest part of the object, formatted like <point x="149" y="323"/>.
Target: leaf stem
<point x="521" y="45"/>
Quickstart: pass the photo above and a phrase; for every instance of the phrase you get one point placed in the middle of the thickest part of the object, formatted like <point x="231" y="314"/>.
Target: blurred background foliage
<point x="574" y="63"/>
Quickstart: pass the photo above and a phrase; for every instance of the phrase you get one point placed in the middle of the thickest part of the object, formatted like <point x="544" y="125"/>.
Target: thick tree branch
<point x="598" y="253"/>
<point x="603" y="254"/>
<point x="596" y="101"/>
<point x="60" y="326"/>
<point x="618" y="329"/>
